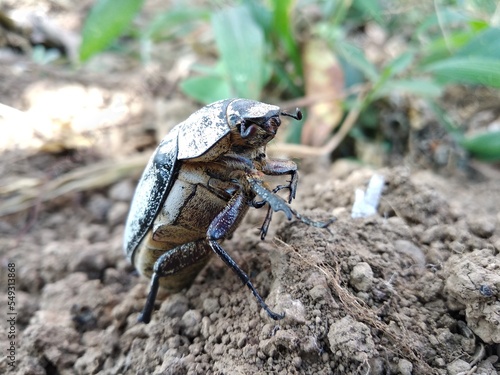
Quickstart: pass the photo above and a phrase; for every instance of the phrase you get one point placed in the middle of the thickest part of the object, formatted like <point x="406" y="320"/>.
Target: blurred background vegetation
<point x="378" y="80"/>
<point x="337" y="56"/>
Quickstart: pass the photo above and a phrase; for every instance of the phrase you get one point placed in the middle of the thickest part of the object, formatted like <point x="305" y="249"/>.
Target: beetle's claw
<point x="144" y="318"/>
<point x="275" y="316"/>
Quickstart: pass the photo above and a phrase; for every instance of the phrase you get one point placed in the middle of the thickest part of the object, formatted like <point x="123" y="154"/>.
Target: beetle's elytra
<point x="197" y="187"/>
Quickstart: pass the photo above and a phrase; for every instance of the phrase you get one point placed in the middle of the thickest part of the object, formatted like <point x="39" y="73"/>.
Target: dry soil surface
<point x="413" y="289"/>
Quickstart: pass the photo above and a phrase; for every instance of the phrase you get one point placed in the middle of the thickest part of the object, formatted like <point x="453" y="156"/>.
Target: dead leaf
<point x="324" y="79"/>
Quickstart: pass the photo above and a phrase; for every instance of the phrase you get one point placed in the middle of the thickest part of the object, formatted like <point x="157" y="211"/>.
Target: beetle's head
<point x="256" y="123"/>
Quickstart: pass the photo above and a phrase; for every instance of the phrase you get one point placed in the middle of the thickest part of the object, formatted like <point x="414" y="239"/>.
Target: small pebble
<point x="458" y="366"/>
<point x="482" y="226"/>
<point x="211" y="305"/>
<point x="191" y="323"/>
<point x="297" y="362"/>
<point x="362" y="277"/>
<point x="175" y="305"/>
<point x="410" y="249"/>
<point x="405" y="367"/>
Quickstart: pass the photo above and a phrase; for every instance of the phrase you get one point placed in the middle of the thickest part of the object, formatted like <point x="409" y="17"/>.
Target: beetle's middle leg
<point x="218" y="230"/>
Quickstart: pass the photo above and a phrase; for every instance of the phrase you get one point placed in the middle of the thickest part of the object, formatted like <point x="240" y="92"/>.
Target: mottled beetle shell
<point x="203" y="136"/>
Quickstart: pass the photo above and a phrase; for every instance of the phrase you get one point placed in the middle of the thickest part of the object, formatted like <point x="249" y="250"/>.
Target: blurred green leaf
<point x="484" y="44"/>
<point x="106" y="21"/>
<point x="355" y="56"/>
<point x="446" y="17"/>
<point x="442" y="48"/>
<point x="261" y="14"/>
<point x="474" y="70"/>
<point x="241" y="46"/>
<point x="485" y="146"/>
<point x="478" y="25"/>
<point x="166" y="21"/>
<point x="335" y="11"/>
<point x="282" y="23"/>
<point x="206" y="89"/>
<point x="400" y="63"/>
<point x="370" y="8"/>
<point x="43" y="56"/>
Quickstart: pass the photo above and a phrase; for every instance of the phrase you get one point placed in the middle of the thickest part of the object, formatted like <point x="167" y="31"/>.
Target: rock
<point x="457" y="367"/>
<point x="362" y="277"/>
<point x="352" y="338"/>
<point x="410" y="249"/>
<point x="191" y="323"/>
<point x="469" y="283"/>
<point x="482" y="226"/>
<point x="405" y="367"/>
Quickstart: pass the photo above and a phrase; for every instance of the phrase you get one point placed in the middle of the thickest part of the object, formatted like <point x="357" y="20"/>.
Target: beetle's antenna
<point x="296" y="116"/>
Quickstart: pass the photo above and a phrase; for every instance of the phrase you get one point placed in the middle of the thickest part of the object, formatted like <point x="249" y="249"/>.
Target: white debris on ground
<point x="366" y="203"/>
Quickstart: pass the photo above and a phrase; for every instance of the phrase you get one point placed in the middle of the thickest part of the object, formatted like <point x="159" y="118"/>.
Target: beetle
<point x="197" y="187"/>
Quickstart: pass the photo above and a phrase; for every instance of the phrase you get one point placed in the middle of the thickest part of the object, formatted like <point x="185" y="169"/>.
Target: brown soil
<point x="414" y="289"/>
<point x="411" y="290"/>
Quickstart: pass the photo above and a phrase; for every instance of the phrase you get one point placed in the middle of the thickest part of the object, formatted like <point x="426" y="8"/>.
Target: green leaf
<point x="206" y="89"/>
<point x="260" y="13"/>
<point x="442" y="48"/>
<point x="282" y="24"/>
<point x="106" y="21"/>
<point x="400" y="63"/>
<point x="473" y="70"/>
<point x="355" y="56"/>
<point x="394" y="67"/>
<point x="485" y="44"/>
<point x="241" y="46"/>
<point x="369" y="7"/>
<point x="445" y="17"/>
<point x="485" y="146"/>
<point x="168" y="20"/>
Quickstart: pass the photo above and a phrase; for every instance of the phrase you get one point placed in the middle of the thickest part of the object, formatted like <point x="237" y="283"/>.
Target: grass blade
<point x="105" y="22"/>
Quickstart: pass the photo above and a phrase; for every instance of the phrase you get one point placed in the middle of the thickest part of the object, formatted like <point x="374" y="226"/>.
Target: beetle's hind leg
<point x="175" y="270"/>
<point x="218" y="229"/>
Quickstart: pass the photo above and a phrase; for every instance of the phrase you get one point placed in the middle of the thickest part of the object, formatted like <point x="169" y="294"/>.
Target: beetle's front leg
<point x="279" y="167"/>
<point x="279" y="204"/>
<point x="218" y="230"/>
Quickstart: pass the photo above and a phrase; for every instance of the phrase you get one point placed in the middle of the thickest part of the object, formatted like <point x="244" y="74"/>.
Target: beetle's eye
<point x="271" y="126"/>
